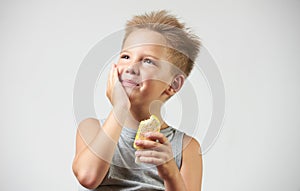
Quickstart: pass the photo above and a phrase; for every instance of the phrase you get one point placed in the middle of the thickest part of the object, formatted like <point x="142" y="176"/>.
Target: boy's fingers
<point x="116" y="75"/>
<point x="152" y="155"/>
<point x="151" y="160"/>
<point x="146" y="144"/>
<point x="148" y="153"/>
<point x="113" y="69"/>
<point x="113" y="76"/>
<point x="156" y="136"/>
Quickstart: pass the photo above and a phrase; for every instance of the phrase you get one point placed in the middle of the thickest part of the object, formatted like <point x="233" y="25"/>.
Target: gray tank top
<point x="125" y="175"/>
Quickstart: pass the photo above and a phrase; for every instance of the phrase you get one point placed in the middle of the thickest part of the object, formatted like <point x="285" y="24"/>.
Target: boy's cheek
<point x="146" y="75"/>
<point x="157" y="77"/>
<point x="121" y="68"/>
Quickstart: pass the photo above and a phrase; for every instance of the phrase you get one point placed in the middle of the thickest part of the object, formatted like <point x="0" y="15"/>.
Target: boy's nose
<point x="133" y="69"/>
<point x="130" y="68"/>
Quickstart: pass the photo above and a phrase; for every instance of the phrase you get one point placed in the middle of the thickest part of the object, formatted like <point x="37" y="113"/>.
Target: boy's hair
<point x="184" y="45"/>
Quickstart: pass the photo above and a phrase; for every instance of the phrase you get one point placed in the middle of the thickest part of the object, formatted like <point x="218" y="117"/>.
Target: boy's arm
<point x="191" y="168"/>
<point x="189" y="178"/>
<point x="95" y="147"/>
<point x="159" y="153"/>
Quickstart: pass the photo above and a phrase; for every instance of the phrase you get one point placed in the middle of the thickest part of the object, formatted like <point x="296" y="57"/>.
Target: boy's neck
<point x="138" y="115"/>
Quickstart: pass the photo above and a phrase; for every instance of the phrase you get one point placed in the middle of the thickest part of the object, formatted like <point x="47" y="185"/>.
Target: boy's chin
<point x="140" y="117"/>
<point x="130" y="90"/>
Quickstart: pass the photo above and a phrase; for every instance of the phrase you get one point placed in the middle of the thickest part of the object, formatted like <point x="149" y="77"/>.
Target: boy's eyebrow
<point x="145" y="54"/>
<point x="124" y="51"/>
<point x="149" y="55"/>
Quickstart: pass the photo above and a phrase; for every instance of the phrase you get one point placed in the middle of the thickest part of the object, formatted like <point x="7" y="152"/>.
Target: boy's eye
<point x="148" y="61"/>
<point x="125" y="56"/>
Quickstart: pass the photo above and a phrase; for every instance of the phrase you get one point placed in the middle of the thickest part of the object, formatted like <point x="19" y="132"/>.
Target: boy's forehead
<point x="144" y="37"/>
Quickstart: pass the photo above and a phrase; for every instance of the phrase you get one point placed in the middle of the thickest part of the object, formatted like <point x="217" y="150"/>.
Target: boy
<point x="157" y="55"/>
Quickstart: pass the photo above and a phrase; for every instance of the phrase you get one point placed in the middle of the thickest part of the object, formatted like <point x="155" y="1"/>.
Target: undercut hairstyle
<point x="183" y="45"/>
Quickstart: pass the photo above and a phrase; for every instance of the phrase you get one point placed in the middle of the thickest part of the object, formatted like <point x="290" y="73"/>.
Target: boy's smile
<point x="130" y="83"/>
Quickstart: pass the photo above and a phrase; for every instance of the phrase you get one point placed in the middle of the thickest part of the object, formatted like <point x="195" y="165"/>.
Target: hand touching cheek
<point x="117" y="95"/>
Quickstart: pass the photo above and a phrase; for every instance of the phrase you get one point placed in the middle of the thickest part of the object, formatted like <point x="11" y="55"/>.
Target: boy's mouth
<point x="129" y="83"/>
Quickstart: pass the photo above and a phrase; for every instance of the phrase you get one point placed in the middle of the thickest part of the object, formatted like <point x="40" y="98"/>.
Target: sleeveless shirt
<point x="125" y="175"/>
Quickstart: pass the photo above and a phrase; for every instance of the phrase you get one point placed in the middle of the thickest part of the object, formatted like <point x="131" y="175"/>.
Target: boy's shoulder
<point x="191" y="144"/>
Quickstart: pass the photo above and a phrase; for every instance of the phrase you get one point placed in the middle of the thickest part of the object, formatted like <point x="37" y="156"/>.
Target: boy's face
<point x="143" y="68"/>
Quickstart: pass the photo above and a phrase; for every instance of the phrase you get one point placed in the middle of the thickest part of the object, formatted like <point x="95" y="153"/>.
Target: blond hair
<point x="184" y="45"/>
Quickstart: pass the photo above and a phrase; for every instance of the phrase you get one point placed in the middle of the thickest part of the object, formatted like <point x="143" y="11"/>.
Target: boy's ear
<point x="176" y="84"/>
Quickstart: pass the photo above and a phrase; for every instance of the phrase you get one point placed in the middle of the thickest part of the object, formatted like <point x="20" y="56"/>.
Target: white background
<point x="255" y="44"/>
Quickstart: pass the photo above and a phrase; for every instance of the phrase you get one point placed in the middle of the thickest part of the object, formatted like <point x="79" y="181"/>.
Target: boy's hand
<point x="116" y="94"/>
<point x="158" y="151"/>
